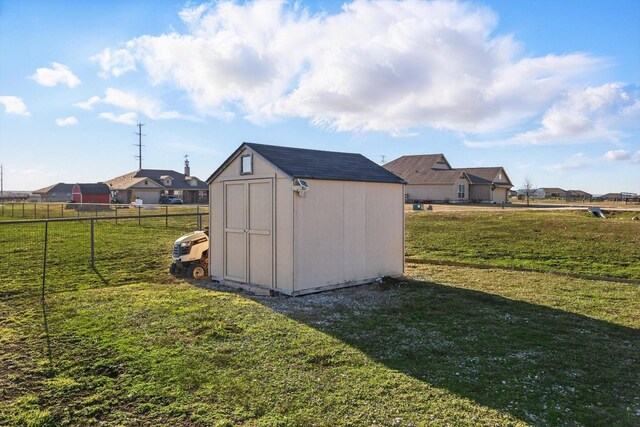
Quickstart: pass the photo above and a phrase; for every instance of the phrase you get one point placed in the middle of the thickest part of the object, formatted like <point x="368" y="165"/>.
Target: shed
<point x="298" y="221"/>
<point x="90" y="193"/>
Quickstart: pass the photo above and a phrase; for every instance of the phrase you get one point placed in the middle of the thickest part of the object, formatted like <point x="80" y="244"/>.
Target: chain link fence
<point x="38" y="210"/>
<point x="68" y="254"/>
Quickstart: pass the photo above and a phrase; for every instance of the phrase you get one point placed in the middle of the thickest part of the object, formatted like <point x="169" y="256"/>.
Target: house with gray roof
<point x="150" y="184"/>
<point x="431" y="178"/>
<point x="59" y="192"/>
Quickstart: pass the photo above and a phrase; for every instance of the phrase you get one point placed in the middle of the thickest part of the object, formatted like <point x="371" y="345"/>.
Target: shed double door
<point x="248" y="231"/>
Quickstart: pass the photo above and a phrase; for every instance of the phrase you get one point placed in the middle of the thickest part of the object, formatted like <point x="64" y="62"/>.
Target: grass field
<point x="564" y="241"/>
<point x="447" y="345"/>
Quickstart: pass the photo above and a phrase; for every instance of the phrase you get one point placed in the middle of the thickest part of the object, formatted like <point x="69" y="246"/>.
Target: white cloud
<point x="622" y="155"/>
<point x="577" y="161"/>
<point x="149" y="107"/>
<point x="14" y="105"/>
<point x="89" y="103"/>
<point x="125" y="118"/>
<point x="114" y="62"/>
<point x="59" y="74"/>
<point x="601" y="113"/>
<point x="375" y="65"/>
<point x="67" y="121"/>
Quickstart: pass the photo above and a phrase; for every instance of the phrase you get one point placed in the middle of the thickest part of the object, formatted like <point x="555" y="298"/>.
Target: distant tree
<point x="528" y="189"/>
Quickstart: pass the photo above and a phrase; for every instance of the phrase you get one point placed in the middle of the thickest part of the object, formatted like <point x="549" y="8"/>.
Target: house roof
<point x="127" y="181"/>
<point x="421" y="169"/>
<point x="56" y="188"/>
<point x="487" y="175"/>
<point x="316" y="164"/>
<point x="553" y="190"/>
<point x="578" y="193"/>
<point x="94" y="188"/>
<point x="179" y="180"/>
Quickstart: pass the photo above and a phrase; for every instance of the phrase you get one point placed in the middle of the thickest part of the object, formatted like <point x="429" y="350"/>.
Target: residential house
<point x="554" y="193"/>
<point x="579" y="195"/>
<point x="618" y="197"/>
<point x="149" y="184"/>
<point x="534" y="193"/>
<point x="59" y="192"/>
<point x="430" y="177"/>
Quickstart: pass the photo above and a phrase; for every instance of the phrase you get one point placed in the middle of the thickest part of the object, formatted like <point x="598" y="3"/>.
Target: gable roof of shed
<point x="316" y="164"/>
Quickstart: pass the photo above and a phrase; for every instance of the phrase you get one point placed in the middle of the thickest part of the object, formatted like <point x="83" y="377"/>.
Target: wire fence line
<point x="39" y="210"/>
<point x="39" y="257"/>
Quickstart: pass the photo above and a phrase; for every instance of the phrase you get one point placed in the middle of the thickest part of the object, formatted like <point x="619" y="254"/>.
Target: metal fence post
<point x="92" y="245"/>
<point x="35" y="212"/>
<point x="44" y="259"/>
<point x="42" y="294"/>
<point x="12" y="209"/>
<point x="116" y="214"/>
<point x="61" y="210"/>
<point x="96" y="209"/>
<point x="47" y="210"/>
<point x="166" y="216"/>
<point x="139" y="207"/>
<point x="22" y="210"/>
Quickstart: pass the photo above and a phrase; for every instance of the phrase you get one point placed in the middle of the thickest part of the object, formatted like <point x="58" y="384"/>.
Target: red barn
<point x="90" y="193"/>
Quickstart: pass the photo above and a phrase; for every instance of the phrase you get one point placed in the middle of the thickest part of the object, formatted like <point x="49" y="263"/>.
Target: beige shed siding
<point x="261" y="168"/>
<point x="284" y="234"/>
<point x="216" y="203"/>
<point x="358" y="235"/>
<point x="282" y="258"/>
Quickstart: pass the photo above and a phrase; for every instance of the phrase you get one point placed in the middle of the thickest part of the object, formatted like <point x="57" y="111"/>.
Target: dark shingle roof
<point x="487" y="175"/>
<point x="179" y="180"/>
<point x="427" y="169"/>
<point x="97" y="188"/>
<point x="316" y="164"/>
<point x="60" y="187"/>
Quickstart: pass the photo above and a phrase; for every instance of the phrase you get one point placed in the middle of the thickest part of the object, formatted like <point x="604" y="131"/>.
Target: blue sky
<point x="548" y="89"/>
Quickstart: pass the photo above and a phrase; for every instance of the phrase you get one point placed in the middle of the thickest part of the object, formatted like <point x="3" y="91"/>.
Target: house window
<point x="246" y="165"/>
<point x="146" y="182"/>
<point x="461" y="191"/>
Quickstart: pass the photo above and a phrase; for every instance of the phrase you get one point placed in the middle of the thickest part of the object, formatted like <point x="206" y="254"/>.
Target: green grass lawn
<point x="566" y="241"/>
<point x="447" y="345"/>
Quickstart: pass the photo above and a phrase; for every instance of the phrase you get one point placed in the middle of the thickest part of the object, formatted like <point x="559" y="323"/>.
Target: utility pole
<point x="1" y="181"/>
<point x="139" y="144"/>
